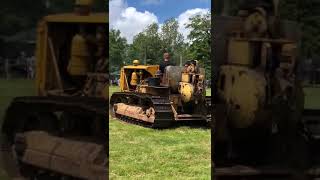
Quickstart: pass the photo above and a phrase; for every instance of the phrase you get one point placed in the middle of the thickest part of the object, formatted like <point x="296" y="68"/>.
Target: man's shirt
<point x="164" y="64"/>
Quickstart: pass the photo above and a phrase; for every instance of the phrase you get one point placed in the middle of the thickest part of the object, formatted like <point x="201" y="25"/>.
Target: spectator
<point x="30" y="67"/>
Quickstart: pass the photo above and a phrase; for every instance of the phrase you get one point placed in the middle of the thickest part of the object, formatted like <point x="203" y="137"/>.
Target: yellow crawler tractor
<point x="154" y="99"/>
<point x="260" y="130"/>
<point x="62" y="132"/>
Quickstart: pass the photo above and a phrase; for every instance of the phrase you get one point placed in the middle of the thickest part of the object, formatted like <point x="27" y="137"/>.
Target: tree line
<point x="17" y="15"/>
<point x="305" y="12"/>
<point x="307" y="15"/>
<point x="149" y="45"/>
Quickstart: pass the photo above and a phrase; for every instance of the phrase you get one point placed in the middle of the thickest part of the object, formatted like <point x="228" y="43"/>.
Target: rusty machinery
<point x="258" y="97"/>
<point x="61" y="132"/>
<point x="157" y="100"/>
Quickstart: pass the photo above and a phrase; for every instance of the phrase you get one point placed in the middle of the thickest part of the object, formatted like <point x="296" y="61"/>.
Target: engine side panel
<point x="243" y="90"/>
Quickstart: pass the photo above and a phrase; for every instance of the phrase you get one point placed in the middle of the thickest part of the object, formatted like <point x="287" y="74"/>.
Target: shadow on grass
<point x="175" y="124"/>
<point x="192" y="125"/>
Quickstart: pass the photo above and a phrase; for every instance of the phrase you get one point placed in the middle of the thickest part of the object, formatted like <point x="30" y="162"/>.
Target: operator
<point x="96" y="83"/>
<point x="101" y="39"/>
<point x="166" y="62"/>
<point x="79" y="64"/>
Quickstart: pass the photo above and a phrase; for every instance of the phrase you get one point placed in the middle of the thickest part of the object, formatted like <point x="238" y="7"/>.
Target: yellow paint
<point x="136" y="62"/>
<point x="43" y="67"/>
<point x="79" y="63"/>
<point x="185" y="77"/>
<point x="186" y="91"/>
<point x="124" y="78"/>
<point x="41" y="53"/>
<point x="239" y="52"/>
<point x="84" y="2"/>
<point x="244" y="93"/>
<point x="134" y="79"/>
<point x="101" y="18"/>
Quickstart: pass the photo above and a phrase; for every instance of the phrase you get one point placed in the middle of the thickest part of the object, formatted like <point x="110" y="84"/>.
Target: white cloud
<point x="128" y="20"/>
<point x="115" y="8"/>
<point x="183" y="19"/>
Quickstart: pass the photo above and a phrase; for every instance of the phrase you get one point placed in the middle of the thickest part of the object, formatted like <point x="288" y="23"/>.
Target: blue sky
<point x="165" y="9"/>
<point x="133" y="16"/>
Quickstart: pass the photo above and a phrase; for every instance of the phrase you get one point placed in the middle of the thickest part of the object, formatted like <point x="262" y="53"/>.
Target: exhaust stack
<point x="276" y="7"/>
<point x="83" y="7"/>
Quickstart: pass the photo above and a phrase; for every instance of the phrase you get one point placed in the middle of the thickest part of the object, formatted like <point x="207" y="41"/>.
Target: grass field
<point x="8" y="90"/>
<point x="141" y="153"/>
<point x="312" y="100"/>
<point x="12" y="88"/>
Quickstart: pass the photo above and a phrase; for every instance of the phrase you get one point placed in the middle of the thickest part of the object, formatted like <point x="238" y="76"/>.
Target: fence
<point x="17" y="68"/>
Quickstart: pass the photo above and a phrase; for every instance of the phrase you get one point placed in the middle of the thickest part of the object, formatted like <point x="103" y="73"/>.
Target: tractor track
<point x="164" y="115"/>
<point x="13" y="125"/>
<point x="311" y="121"/>
<point x="239" y="172"/>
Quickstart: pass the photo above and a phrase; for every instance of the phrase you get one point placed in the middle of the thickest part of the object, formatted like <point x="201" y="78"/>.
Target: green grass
<point x="208" y="92"/>
<point x="141" y="153"/>
<point x="312" y="97"/>
<point x="8" y="90"/>
<point x="13" y="88"/>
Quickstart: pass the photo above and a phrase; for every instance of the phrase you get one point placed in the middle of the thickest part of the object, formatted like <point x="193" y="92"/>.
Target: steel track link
<point x="238" y="172"/>
<point x="164" y="115"/>
<point x="96" y="107"/>
<point x="310" y="117"/>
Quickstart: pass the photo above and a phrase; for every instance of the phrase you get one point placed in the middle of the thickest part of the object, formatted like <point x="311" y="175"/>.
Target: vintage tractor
<point x="260" y="131"/>
<point x="154" y="99"/>
<point x="62" y="131"/>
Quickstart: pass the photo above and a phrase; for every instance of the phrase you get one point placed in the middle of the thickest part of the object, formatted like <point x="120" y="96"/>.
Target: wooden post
<point x="55" y="64"/>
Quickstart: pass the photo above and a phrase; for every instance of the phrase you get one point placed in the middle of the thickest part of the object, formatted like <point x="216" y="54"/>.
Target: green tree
<point x="101" y="6"/>
<point x="172" y="39"/>
<point x="152" y="44"/>
<point x="137" y="49"/>
<point x="149" y="45"/>
<point x="18" y="15"/>
<point x="117" y="50"/>
<point x="200" y="41"/>
<point x="146" y="45"/>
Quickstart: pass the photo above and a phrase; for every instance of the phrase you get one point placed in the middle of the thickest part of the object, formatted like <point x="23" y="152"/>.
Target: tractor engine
<point x="191" y="86"/>
<point x="258" y="96"/>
